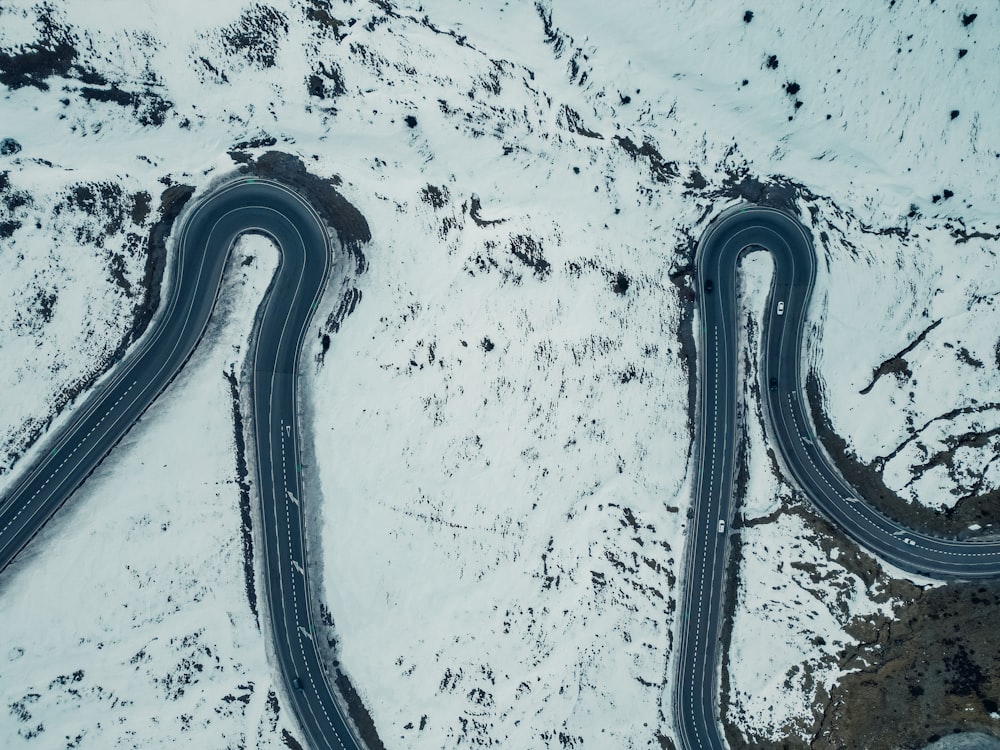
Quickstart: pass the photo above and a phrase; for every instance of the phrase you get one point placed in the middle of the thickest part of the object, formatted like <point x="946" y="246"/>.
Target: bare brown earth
<point x="931" y="671"/>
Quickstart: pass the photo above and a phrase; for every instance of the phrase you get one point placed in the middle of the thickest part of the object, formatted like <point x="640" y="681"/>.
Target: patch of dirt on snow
<point x="933" y="671"/>
<point x="930" y="671"/>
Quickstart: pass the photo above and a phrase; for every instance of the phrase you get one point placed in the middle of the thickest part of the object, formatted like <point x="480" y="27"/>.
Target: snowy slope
<point x="126" y="623"/>
<point x="80" y="253"/>
<point x="501" y="426"/>
<point x="795" y="602"/>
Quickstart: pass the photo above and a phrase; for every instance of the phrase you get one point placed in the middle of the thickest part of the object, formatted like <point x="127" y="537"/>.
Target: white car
<point x="908" y="540"/>
<point x="722" y="527"/>
<point x="781" y="308"/>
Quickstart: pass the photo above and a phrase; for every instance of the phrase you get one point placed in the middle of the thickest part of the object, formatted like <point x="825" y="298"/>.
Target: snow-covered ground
<point x="502" y="424"/>
<point x="789" y="628"/>
<point x="802" y="605"/>
<point x="126" y="622"/>
<point x="63" y="258"/>
<point x="795" y="600"/>
<point x="948" y="384"/>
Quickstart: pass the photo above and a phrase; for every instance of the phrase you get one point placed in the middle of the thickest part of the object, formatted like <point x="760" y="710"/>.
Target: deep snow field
<point x="501" y="426"/>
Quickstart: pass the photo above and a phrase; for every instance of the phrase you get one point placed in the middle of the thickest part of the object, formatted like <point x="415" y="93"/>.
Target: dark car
<point x="296" y="683"/>
<point x="774" y="384"/>
<point x="708" y="286"/>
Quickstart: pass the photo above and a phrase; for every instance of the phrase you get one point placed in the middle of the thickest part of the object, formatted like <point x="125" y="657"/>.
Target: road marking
<point x="697" y="652"/>
<point x="88" y="435"/>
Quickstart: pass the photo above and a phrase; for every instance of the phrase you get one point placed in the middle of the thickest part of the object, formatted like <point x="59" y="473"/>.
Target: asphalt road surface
<point x="696" y="691"/>
<point x="209" y="231"/>
<point x="206" y="237"/>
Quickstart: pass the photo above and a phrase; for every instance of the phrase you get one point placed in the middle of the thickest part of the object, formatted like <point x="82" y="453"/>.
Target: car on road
<point x="908" y="540"/>
<point x="708" y="286"/>
<point x="296" y="683"/>
<point x="781" y="307"/>
<point x="773" y="384"/>
<point x="722" y="527"/>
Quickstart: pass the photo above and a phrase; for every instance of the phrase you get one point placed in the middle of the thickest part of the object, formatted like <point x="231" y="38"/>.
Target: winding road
<point x="209" y="230"/>
<point x="696" y="690"/>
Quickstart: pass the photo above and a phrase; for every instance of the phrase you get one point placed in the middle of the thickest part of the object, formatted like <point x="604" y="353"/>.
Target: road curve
<point x="209" y="230"/>
<point x="701" y="609"/>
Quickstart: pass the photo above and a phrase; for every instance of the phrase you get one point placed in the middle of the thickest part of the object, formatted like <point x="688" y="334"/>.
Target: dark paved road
<point x="206" y="237"/>
<point x="696" y="692"/>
